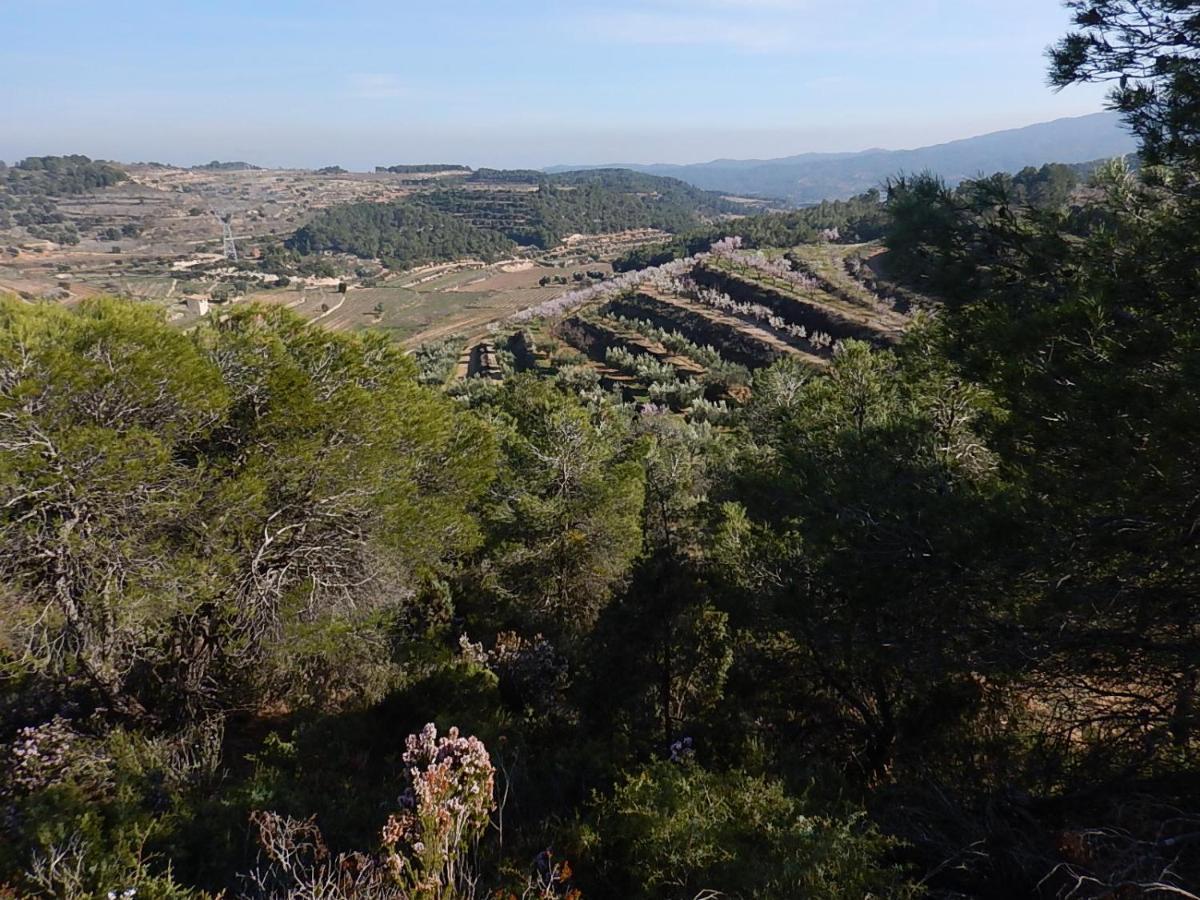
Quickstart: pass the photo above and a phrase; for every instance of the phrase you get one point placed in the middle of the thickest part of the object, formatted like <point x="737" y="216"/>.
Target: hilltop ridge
<point x="812" y="177"/>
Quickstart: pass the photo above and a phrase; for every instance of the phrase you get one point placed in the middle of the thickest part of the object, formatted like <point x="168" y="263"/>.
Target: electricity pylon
<point x="227" y="236"/>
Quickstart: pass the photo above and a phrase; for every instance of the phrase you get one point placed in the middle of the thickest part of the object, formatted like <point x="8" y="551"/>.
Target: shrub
<point x="445" y="812"/>
<point x="676" y="829"/>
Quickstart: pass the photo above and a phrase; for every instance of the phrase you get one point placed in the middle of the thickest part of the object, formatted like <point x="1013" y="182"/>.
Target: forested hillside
<point x="904" y="606"/>
<point x="402" y="234"/>
<point x="54" y="176"/>
<point x="451" y="223"/>
<point x="30" y="189"/>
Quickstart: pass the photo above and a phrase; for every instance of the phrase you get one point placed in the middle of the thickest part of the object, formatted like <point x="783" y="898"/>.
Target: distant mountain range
<point x="812" y="177"/>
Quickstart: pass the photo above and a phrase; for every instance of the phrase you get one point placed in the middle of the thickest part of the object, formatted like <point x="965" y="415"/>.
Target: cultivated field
<point x="689" y="335"/>
<point x="176" y="253"/>
<point x="688" y="338"/>
<point x="464" y="302"/>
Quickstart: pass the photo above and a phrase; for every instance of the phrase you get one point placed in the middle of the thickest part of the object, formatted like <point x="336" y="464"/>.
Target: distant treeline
<point x="421" y="169"/>
<point x="452" y="223"/>
<point x="508" y="176"/>
<point x="218" y="166"/>
<point x="54" y="176"/>
<point x="862" y="218"/>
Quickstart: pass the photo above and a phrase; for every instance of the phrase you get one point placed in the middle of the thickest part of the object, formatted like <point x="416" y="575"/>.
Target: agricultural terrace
<point x="688" y="334"/>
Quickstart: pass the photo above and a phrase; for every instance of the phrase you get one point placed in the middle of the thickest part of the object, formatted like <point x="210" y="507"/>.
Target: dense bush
<point x="177" y="521"/>
<point x="675" y="829"/>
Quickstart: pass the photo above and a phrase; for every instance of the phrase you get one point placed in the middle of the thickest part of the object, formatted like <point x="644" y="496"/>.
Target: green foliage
<point x="678" y="830"/>
<point x="874" y="498"/>
<point x="214" y="493"/>
<point x="98" y="813"/>
<point x="860" y="219"/>
<point x="664" y="652"/>
<point x="403" y="234"/>
<point x="947" y="241"/>
<point x="454" y="223"/>
<point x="436" y="361"/>
<point x="563" y="515"/>
<point x="1149" y="49"/>
<point x="56" y="176"/>
<point x="1083" y="325"/>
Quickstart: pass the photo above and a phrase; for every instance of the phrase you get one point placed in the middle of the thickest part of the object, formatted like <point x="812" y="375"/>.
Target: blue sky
<point x="519" y="83"/>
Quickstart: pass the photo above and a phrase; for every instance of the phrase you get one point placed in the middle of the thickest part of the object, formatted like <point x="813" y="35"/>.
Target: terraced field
<point x="423" y="307"/>
<point x="689" y="334"/>
<point x="740" y="338"/>
<point x="816" y="307"/>
<point x="827" y="263"/>
<point x="853" y="273"/>
<point x="600" y="334"/>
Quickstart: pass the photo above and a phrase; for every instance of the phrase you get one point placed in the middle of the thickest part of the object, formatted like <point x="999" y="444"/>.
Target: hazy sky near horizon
<point x="521" y="83"/>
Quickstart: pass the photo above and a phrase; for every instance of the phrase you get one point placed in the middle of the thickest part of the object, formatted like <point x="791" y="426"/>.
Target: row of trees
<point x="862" y="218"/>
<point x="422" y="169"/>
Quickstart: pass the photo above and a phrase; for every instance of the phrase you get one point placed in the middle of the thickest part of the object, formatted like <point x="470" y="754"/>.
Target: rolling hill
<point x="505" y="209"/>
